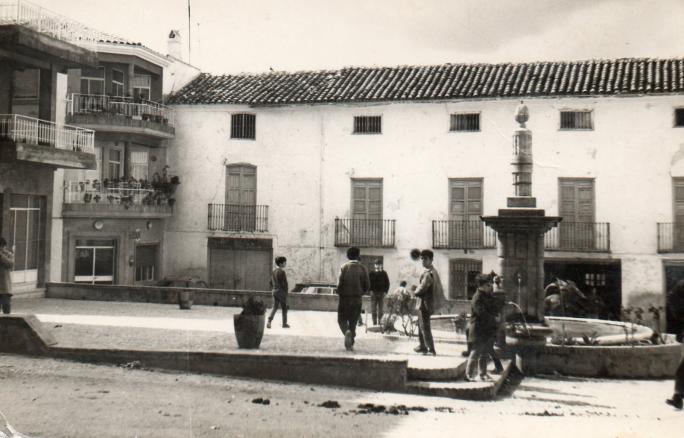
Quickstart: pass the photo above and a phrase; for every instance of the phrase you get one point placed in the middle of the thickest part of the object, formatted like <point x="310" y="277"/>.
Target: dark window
<point x="368" y="125"/>
<point x="463" y="273"/>
<point x="243" y="126"/>
<point x="576" y="120"/>
<point x="679" y="116"/>
<point x="465" y="122"/>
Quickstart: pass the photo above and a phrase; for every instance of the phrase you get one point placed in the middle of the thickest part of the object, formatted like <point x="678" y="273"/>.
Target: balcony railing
<point x="579" y="236"/>
<point x="454" y="234"/>
<point x="44" y="21"/>
<point x="236" y="217"/>
<point x="119" y="106"/>
<point x="28" y="130"/>
<point x="365" y="233"/>
<point x="79" y="195"/>
<point x="670" y="237"/>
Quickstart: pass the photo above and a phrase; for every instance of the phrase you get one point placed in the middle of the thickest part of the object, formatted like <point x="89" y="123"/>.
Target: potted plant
<point x="249" y="324"/>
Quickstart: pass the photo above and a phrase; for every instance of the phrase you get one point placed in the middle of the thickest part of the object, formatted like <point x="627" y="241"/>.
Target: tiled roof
<point x="448" y="81"/>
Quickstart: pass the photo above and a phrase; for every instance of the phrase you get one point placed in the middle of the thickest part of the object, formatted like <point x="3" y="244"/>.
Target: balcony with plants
<point x="120" y="198"/>
<point x="121" y="114"/>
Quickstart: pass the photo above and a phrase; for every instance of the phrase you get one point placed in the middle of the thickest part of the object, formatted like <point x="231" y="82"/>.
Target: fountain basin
<point x="604" y="332"/>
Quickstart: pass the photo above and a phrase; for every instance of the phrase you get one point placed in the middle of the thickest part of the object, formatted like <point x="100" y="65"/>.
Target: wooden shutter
<point x="240" y="209"/>
<point x="465" y="209"/>
<point x="576" y="206"/>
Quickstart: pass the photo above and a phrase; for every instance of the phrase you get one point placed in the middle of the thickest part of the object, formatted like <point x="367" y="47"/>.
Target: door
<point x="465" y="209"/>
<point x="576" y="207"/>
<point x="26" y="236"/>
<point x="240" y="264"/>
<point x="146" y="263"/>
<point x="240" y="208"/>
<point x="462" y="278"/>
<point x="678" y="195"/>
<point x="366" y="226"/>
<point x="94" y="261"/>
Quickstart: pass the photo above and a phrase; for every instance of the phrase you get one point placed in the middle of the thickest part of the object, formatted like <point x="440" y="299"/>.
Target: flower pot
<point x="185" y="299"/>
<point x="249" y="329"/>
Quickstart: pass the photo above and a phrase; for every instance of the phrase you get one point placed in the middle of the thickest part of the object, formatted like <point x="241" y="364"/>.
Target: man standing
<point x="379" y="285"/>
<point x="353" y="283"/>
<point x="6" y="265"/>
<point x="675" y="306"/>
<point x="482" y="329"/>
<point x="431" y="300"/>
<point x="279" y="286"/>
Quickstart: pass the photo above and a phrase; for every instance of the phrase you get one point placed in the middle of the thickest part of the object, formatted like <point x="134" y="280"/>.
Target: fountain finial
<point x="522" y="114"/>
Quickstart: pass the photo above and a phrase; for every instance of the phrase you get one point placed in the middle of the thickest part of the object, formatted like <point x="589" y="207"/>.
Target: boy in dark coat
<point x="483" y="325"/>
<point x="279" y="286"/>
<point x="675" y="306"/>
<point x="379" y="285"/>
<point x="352" y="284"/>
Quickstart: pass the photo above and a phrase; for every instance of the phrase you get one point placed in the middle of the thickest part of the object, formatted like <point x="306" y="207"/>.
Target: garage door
<point x="241" y="264"/>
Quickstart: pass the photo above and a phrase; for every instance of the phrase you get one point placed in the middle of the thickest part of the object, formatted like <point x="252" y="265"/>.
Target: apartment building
<point x="306" y="164"/>
<point x="36" y="50"/>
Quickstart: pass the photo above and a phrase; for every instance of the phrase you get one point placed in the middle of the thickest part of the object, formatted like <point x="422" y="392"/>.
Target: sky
<point x="235" y="36"/>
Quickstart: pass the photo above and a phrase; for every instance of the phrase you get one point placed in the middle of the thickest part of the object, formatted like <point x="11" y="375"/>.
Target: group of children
<point x="354" y="282"/>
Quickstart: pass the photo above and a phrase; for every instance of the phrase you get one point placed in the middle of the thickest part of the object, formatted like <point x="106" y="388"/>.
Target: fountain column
<point x="520" y="230"/>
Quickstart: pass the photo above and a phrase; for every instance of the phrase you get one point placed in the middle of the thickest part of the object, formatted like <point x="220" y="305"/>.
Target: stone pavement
<point x="163" y="327"/>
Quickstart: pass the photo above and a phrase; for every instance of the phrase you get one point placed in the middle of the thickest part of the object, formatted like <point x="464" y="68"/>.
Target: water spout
<point x="522" y="315"/>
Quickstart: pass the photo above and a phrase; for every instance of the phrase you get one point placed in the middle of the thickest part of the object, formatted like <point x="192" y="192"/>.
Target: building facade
<point x="306" y="164"/>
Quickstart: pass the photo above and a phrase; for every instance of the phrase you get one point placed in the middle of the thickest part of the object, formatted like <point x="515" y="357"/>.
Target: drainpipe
<point x="321" y="217"/>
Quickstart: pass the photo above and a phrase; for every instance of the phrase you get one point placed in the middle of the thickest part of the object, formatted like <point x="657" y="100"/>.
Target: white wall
<point x="306" y="155"/>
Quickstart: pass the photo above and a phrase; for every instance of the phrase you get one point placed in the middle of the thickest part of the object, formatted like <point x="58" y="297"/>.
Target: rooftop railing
<point x="38" y="132"/>
<point x="50" y="23"/>
<point x="123" y="106"/>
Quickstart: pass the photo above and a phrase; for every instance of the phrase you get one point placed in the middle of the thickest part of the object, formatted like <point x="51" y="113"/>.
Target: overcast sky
<point x="232" y="36"/>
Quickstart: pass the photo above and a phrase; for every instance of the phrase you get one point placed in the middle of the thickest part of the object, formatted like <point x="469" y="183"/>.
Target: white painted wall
<point x="305" y="156"/>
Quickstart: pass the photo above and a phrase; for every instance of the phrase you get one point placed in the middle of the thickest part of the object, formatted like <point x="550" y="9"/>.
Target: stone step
<point x="461" y="389"/>
<point x="435" y="369"/>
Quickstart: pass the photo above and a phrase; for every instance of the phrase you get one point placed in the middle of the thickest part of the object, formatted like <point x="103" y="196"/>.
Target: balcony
<point x="238" y="218"/>
<point x="121" y="114"/>
<point x="454" y="234"/>
<point x="365" y="233"/>
<point x="44" y="142"/>
<point x="670" y="237"/>
<point x="579" y="237"/>
<point x="120" y="200"/>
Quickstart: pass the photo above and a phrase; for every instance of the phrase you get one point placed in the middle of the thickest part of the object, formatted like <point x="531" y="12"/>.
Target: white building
<point x="389" y="159"/>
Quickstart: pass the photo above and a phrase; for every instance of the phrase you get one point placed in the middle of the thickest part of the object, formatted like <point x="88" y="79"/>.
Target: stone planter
<point x="185" y="299"/>
<point x="249" y="329"/>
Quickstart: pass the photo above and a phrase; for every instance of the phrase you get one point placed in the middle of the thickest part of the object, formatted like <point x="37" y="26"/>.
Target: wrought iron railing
<point x="365" y="233"/>
<point x="236" y="217"/>
<point x="121" y="106"/>
<point x="29" y="130"/>
<point x="670" y="237"/>
<point x="579" y="236"/>
<point x="24" y="13"/>
<point x="462" y="234"/>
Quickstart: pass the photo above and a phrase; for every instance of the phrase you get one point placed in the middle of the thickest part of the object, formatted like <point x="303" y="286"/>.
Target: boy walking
<point x="352" y="284"/>
<point x="279" y="286"/>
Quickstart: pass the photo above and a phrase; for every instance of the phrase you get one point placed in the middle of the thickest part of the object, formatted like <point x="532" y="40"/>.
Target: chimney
<point x="175" y="47"/>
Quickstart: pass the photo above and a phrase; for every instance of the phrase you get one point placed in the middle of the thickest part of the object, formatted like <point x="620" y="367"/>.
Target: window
<point x="465" y="122"/>
<point x="595" y="279"/>
<point x="26" y="84"/>
<point x="92" y="80"/>
<point x="117" y="83"/>
<point x="462" y="275"/>
<point x="243" y="126"/>
<point x="139" y="165"/>
<point x="114" y="165"/>
<point x="576" y="120"/>
<point x="679" y="117"/>
<point x="142" y="85"/>
<point x="368" y="125"/>
<point x="94" y="261"/>
<point x="26" y="234"/>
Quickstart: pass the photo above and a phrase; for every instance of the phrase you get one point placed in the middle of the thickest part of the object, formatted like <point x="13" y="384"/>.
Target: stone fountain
<point x="520" y="230"/>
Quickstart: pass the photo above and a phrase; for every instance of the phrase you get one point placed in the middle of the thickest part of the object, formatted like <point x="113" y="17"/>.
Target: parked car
<point x="183" y="281"/>
<point x="315" y="288"/>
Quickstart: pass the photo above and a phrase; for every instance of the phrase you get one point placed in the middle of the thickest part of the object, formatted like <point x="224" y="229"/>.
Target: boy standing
<point x="483" y="325"/>
<point x="6" y="265"/>
<point x="379" y="285"/>
<point x="431" y="299"/>
<point x="353" y="282"/>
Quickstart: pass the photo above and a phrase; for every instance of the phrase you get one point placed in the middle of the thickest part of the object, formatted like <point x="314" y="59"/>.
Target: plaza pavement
<point x="164" y="327"/>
